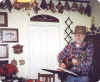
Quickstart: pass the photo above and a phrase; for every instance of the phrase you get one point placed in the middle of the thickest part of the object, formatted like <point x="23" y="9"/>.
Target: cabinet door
<point x="97" y="55"/>
<point x="96" y="58"/>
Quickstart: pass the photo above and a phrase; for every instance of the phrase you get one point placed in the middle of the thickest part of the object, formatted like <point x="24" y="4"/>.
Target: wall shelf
<point x="81" y="1"/>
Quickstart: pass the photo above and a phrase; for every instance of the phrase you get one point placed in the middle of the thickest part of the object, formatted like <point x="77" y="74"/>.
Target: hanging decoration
<point x="51" y="6"/>
<point x="33" y="4"/>
<point x="60" y="7"/>
<point x="88" y="10"/>
<point x="98" y="29"/>
<point x="81" y="9"/>
<point x="93" y="28"/>
<point x="17" y="6"/>
<point x="6" y="4"/>
<point x="68" y="30"/>
<point x="18" y="49"/>
<point x="23" y="1"/>
<point x="21" y="62"/>
<point x="35" y="7"/>
<point x="67" y="6"/>
<point x="74" y="6"/>
<point x="23" y="4"/>
<point x="43" y="4"/>
<point x="14" y="62"/>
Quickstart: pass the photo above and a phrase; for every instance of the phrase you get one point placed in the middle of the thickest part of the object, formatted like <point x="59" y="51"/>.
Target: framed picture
<point x="0" y="36"/>
<point x="85" y="1"/>
<point x="3" y="19"/>
<point x="2" y="62"/>
<point x="9" y="35"/>
<point x="3" y="50"/>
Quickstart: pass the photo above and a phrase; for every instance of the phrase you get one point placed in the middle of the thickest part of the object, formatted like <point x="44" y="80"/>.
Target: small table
<point x="61" y="73"/>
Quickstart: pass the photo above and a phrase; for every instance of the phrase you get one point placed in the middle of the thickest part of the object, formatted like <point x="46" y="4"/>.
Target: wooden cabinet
<point x="96" y="58"/>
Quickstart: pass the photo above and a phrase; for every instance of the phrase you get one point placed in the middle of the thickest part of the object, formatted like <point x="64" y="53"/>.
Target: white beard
<point x="77" y="45"/>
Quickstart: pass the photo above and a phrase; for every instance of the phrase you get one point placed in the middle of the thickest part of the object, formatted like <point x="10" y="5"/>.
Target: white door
<point x="43" y="48"/>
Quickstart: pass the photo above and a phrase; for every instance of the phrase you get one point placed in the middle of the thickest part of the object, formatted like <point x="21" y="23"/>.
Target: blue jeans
<point x="77" y="79"/>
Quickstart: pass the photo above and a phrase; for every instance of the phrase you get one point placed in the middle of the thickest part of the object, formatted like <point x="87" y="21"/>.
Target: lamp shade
<point x="24" y="1"/>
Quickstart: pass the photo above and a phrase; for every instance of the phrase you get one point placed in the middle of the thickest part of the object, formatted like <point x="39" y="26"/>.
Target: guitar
<point x="68" y="63"/>
<point x="62" y="75"/>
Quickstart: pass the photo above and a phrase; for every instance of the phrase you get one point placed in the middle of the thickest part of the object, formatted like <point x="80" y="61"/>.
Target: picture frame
<point x="0" y="36"/>
<point x="3" y="50"/>
<point x="3" y="19"/>
<point x="83" y="1"/>
<point x="9" y="35"/>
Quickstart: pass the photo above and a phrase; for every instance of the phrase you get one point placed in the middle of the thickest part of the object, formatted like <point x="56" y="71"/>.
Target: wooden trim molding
<point x="44" y="18"/>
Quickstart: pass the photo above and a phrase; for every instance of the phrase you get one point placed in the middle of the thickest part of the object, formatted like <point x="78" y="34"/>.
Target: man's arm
<point x="88" y="61"/>
<point x="64" y="53"/>
<point x="63" y="56"/>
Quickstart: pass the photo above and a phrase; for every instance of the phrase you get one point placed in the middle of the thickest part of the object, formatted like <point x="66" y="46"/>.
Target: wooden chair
<point x="31" y="80"/>
<point x="46" y="77"/>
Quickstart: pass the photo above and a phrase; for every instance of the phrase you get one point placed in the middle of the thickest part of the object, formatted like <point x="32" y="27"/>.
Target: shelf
<point x="81" y="1"/>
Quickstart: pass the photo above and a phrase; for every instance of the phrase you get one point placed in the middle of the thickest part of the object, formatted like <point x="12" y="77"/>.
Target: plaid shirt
<point x="84" y="55"/>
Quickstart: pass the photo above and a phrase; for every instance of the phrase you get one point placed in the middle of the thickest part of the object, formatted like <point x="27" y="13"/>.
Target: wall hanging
<point x="3" y="19"/>
<point x="88" y="10"/>
<point x="72" y="5"/>
<point x="51" y="6"/>
<point x="67" y="6"/>
<point x="68" y="30"/>
<point x="14" y="62"/>
<point x="23" y="4"/>
<point x="6" y="4"/>
<point x="36" y="7"/>
<point x="43" y="4"/>
<point x="8" y="35"/>
<point x="21" y="62"/>
<point x="3" y="50"/>
<point x="60" y="7"/>
<point x="18" y="49"/>
<point x="44" y="18"/>
<point x="81" y="9"/>
<point x="82" y="1"/>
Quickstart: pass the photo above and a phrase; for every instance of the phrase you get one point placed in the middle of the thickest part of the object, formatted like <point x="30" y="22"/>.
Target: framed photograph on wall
<point x="0" y="36"/>
<point x="3" y="19"/>
<point x="3" y="50"/>
<point x="9" y="35"/>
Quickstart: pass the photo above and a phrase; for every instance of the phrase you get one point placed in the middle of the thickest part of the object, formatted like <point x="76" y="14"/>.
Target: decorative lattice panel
<point x="68" y="30"/>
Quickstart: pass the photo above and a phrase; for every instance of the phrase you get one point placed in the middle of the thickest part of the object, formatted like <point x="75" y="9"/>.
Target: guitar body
<point x="63" y="75"/>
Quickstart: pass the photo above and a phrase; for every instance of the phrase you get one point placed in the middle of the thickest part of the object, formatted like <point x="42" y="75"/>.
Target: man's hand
<point x="62" y="65"/>
<point x="75" y="61"/>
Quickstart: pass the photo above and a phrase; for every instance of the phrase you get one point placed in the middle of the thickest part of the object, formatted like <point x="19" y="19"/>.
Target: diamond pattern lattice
<point x="68" y="30"/>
